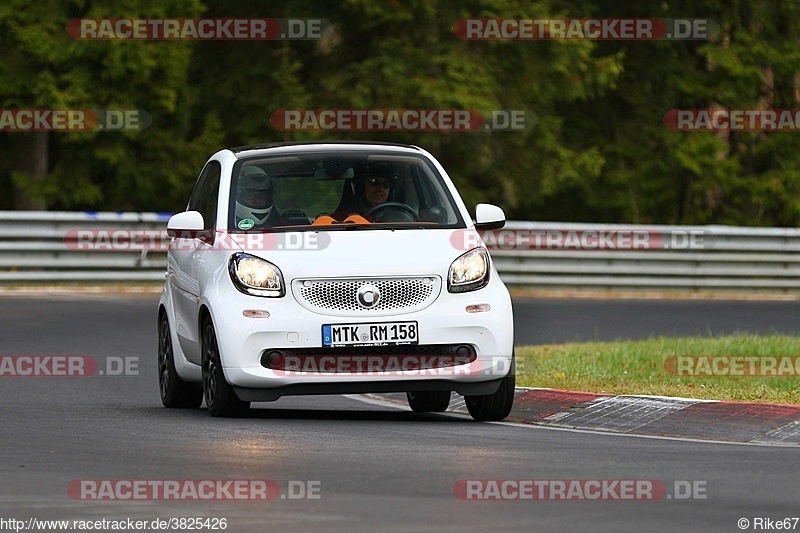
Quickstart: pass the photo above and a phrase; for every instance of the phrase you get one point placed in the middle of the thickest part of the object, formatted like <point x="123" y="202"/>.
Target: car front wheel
<point x="175" y="392"/>
<point x="497" y="406"/>
<point x="429" y="401"/>
<point x="221" y="400"/>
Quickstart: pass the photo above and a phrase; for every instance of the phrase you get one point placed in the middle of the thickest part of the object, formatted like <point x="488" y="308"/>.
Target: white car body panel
<point x="198" y="278"/>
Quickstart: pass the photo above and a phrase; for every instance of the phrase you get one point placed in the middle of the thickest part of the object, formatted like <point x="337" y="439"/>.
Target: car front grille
<point x="340" y="296"/>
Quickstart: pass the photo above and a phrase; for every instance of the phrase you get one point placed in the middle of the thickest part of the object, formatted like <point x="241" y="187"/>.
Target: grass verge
<point x="650" y="367"/>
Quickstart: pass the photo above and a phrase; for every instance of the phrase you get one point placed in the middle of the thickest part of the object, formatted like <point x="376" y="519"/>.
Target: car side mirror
<point x="488" y="216"/>
<point x="188" y="225"/>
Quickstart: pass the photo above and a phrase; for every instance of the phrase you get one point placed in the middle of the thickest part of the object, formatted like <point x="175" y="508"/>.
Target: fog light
<point x="478" y="308"/>
<point x="463" y="350"/>
<point x="272" y="360"/>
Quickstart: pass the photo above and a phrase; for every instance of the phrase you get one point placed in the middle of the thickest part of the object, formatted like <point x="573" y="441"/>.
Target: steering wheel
<point x="399" y="206"/>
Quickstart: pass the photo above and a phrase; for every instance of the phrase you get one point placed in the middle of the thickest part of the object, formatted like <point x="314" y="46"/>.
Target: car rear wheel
<point x="497" y="406"/>
<point x="429" y="401"/>
<point x="221" y="400"/>
<point x="174" y="391"/>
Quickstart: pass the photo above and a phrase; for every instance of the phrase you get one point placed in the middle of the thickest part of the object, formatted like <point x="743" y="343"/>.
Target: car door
<point x="185" y="257"/>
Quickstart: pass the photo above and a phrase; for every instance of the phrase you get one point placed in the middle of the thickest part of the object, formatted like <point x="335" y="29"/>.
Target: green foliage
<point x="42" y="67"/>
<point x="644" y="367"/>
<point x="653" y="175"/>
<point x="599" y="151"/>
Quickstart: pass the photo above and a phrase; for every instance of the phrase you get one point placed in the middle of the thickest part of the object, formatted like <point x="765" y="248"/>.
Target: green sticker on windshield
<point x="246" y="223"/>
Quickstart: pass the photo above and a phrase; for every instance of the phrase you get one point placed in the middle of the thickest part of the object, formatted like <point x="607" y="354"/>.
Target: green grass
<point x="638" y="367"/>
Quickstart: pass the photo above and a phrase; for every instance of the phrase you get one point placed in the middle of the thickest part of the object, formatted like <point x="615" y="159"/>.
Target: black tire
<point x="175" y="393"/>
<point x="221" y="400"/>
<point x="497" y="406"/>
<point x="429" y="401"/>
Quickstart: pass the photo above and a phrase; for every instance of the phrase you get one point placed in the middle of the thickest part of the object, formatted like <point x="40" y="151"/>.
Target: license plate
<point x="375" y="334"/>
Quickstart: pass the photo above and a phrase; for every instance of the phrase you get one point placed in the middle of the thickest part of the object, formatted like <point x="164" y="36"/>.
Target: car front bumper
<point x="289" y="327"/>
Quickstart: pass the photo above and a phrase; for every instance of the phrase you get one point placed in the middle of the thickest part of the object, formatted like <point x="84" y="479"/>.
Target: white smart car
<point x="332" y="268"/>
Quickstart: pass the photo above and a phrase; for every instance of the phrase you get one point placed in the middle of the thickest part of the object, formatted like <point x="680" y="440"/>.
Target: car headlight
<point x="252" y="275"/>
<point x="469" y="272"/>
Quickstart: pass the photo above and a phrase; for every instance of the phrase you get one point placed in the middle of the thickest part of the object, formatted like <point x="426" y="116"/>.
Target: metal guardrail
<point x="34" y="247"/>
<point x="41" y="246"/>
<point x="674" y="258"/>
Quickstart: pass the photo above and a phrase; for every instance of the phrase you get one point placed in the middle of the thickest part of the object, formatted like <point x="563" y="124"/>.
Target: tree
<point x="42" y="67"/>
<point x="654" y="175"/>
<point x="405" y="55"/>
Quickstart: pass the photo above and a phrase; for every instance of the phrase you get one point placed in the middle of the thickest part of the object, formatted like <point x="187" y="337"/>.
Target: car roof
<point x="314" y="146"/>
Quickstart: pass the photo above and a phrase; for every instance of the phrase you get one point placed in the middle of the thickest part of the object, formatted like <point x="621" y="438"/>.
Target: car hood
<point x="361" y="253"/>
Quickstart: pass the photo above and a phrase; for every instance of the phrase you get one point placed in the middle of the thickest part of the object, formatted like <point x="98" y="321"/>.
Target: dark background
<point x="599" y="152"/>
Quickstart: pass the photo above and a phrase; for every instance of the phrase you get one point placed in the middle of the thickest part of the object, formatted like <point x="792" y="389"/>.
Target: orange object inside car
<point x="327" y="220"/>
<point x="357" y="219"/>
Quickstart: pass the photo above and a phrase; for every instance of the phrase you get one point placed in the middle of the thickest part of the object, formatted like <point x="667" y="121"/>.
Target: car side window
<point x="206" y="192"/>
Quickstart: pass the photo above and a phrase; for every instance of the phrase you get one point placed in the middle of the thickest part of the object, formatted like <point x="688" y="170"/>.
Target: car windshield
<point x="339" y="190"/>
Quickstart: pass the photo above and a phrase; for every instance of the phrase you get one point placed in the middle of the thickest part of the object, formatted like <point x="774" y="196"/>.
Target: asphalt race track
<point x="371" y="466"/>
<point x="564" y="320"/>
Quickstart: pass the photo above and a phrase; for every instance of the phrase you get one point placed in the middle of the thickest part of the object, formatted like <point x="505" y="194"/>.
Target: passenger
<point x="254" y="200"/>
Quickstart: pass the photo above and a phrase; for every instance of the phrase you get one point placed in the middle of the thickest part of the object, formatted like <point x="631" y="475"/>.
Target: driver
<point x="254" y="206"/>
<point x="374" y="185"/>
